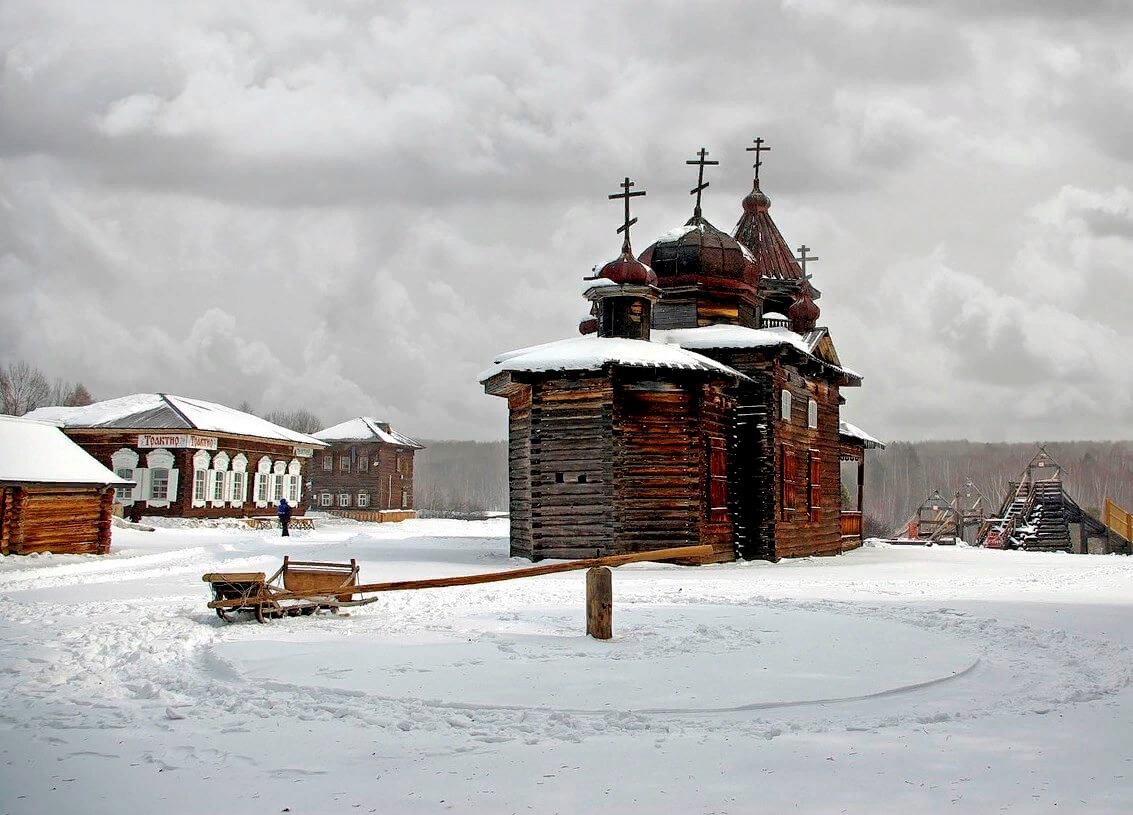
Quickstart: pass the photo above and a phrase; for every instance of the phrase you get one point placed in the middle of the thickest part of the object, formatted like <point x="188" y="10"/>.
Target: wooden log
<point x="600" y="602"/>
<point x="658" y="555"/>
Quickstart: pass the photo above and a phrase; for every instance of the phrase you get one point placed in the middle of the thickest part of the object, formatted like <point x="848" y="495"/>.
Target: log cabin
<point x="191" y="458"/>
<point x="681" y="416"/>
<point x="365" y="471"/>
<point x="54" y="497"/>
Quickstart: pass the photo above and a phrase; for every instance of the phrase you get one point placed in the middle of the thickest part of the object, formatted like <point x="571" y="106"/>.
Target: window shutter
<point x="141" y="489"/>
<point x="717" y="481"/>
<point x="815" y="486"/>
<point x="171" y="492"/>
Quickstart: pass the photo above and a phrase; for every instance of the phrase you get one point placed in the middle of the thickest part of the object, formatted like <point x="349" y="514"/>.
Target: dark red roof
<point x="700" y="253"/>
<point x="773" y="258"/>
<point x="627" y="269"/>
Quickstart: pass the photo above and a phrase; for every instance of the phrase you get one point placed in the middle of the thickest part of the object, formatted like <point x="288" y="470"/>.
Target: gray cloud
<point x="354" y="207"/>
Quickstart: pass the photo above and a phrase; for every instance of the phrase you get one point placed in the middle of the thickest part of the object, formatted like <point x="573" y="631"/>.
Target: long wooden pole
<point x="676" y="553"/>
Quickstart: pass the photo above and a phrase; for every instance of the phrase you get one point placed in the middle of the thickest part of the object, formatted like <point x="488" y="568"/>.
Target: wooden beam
<point x="679" y="552"/>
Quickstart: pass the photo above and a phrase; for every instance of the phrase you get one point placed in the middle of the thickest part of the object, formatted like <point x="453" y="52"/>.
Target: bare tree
<point x="245" y="407"/>
<point x="79" y="396"/>
<point x="23" y="387"/>
<point x="300" y="420"/>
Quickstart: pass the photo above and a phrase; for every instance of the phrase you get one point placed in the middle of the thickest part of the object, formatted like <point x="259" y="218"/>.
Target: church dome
<point x="699" y="250"/>
<point x="756" y="201"/>
<point x="804" y="312"/>
<point x="625" y="268"/>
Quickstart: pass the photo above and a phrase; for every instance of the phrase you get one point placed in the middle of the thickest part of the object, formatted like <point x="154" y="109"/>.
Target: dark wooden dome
<point x="699" y="252"/>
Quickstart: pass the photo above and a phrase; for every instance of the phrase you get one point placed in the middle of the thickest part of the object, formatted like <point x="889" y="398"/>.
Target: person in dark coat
<point x="284" y="515"/>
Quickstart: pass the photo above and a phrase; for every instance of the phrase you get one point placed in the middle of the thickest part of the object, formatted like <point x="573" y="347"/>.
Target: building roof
<point x="365" y="428"/>
<point x="854" y="432"/>
<point x="756" y="231"/>
<point x="38" y="452"/>
<point x="727" y="336"/>
<point x="592" y="353"/>
<point x="162" y="411"/>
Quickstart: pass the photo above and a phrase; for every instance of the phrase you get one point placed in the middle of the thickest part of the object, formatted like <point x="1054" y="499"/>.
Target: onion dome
<point x="756" y="200"/>
<point x="804" y="312"/>
<point x="699" y="252"/>
<point x="625" y="268"/>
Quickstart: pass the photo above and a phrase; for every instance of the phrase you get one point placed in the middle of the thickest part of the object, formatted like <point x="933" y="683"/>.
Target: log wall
<point x="389" y="470"/>
<point x="571" y="467"/>
<point x="659" y="498"/>
<point x="64" y="520"/>
<point x="519" y="472"/>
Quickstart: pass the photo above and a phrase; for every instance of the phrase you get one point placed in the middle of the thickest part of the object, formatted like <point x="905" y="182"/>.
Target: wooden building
<point x="679" y="417"/>
<point x="365" y="471"/>
<point x="854" y="443"/>
<point x="54" y="497"/>
<point x="192" y="458"/>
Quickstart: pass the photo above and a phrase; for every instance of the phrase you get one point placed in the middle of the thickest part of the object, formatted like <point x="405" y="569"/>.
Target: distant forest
<point x="465" y="476"/>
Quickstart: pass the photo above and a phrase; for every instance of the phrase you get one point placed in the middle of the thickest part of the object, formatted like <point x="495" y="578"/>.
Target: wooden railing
<point x="851" y="524"/>
<point x="1118" y="520"/>
<point x="374" y="515"/>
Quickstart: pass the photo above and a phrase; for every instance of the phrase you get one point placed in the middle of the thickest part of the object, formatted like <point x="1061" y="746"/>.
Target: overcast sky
<point x="352" y="206"/>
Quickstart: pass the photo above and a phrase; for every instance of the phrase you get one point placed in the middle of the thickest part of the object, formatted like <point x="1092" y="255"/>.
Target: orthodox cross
<point x="759" y="148"/>
<point x="626" y="194"/>
<point x="701" y="184"/>
<point x="803" y="259"/>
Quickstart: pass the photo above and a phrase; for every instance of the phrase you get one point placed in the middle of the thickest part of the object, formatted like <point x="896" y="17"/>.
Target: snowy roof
<point x="365" y="428"/>
<point x="38" y="452"/>
<point x="855" y="432"/>
<point x="162" y="411"/>
<point x="731" y="336"/>
<point x="591" y="353"/>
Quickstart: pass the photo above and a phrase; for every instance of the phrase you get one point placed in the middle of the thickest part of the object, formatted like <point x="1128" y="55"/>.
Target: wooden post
<point x="600" y="602"/>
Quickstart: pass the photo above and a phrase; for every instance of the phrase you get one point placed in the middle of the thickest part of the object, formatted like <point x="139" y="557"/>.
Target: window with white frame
<point x="277" y="487"/>
<point x="344" y="499"/>
<point x="328" y="462"/>
<point x="125" y="461"/>
<point x="363" y="464"/>
<point x="344" y="463"/>
<point x="811" y="413"/>
<point x="219" y="483"/>
<point x="201" y="460"/>
<point x="363" y="499"/>
<point x="405" y="499"/>
<point x="239" y="487"/>
<point x="294" y="480"/>
<point x="326" y="499"/>
<point x="162" y="478"/>
<point x="785" y="405"/>
<point x="263" y="473"/>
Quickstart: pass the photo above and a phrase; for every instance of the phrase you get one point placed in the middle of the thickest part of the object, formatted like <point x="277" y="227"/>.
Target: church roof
<point x="592" y="353"/>
<point x="163" y="411"/>
<point x="37" y="452"/>
<point x="365" y="428"/>
<point x="699" y="252"/>
<point x="726" y="336"/>
<point x="773" y="259"/>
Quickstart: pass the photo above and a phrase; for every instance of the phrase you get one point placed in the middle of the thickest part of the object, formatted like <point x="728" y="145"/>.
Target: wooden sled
<point x="321" y="585"/>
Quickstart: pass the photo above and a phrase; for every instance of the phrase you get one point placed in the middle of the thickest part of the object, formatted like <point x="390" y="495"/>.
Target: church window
<point x="788" y="465"/>
<point x="785" y="405"/>
<point x="717" y="480"/>
<point x="811" y="413"/>
<point x="814" y="500"/>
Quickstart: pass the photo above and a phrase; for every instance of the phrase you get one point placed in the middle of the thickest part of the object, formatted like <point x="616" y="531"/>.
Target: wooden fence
<point x="1118" y="520"/>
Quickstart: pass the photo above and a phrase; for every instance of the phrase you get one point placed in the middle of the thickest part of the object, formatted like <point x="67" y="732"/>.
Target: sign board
<point x="177" y="441"/>
<point x="304" y="452"/>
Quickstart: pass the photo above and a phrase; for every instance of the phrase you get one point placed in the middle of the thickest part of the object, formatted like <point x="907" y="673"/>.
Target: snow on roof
<point x="591" y="353"/>
<point x="366" y="428"/>
<point x="731" y="336"/>
<point x="160" y="411"/>
<point x="38" y="452"/>
<point x="855" y="432"/>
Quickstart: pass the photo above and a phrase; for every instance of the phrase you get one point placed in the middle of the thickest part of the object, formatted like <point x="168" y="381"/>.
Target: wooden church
<point x="700" y="405"/>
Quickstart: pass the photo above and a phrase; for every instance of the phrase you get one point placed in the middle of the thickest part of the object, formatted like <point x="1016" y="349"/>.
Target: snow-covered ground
<point x="889" y="680"/>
